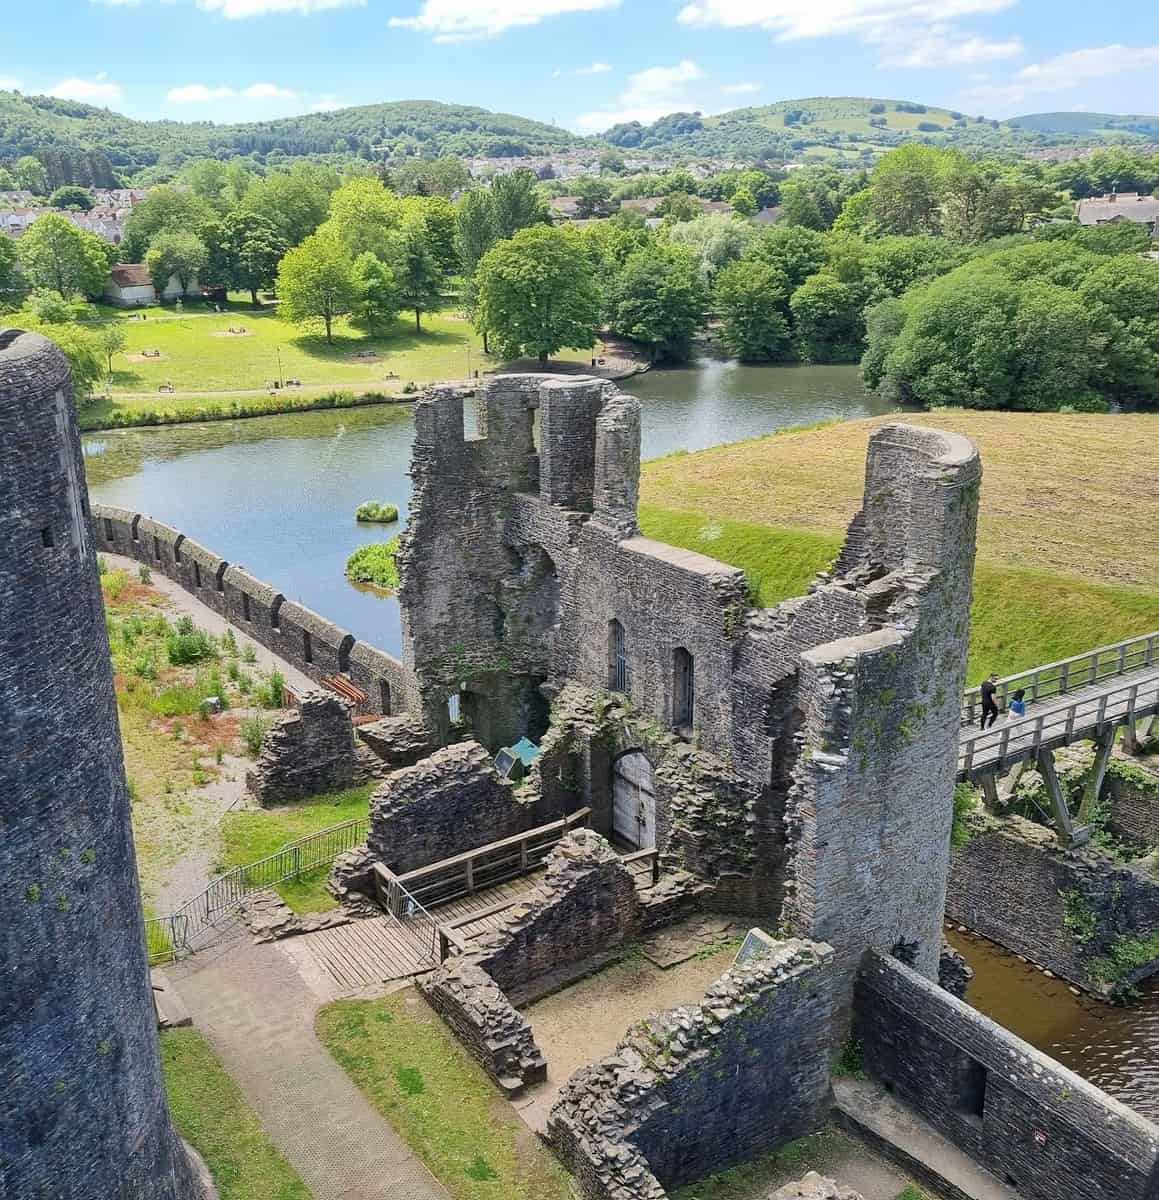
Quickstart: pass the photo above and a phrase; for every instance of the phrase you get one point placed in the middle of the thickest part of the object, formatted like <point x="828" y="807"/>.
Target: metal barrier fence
<point x="407" y="910"/>
<point x="1069" y="674"/>
<point x="1003" y="745"/>
<point x="179" y="932"/>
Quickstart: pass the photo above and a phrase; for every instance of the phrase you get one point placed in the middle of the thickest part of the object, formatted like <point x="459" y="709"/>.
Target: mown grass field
<point x="411" y="1068"/>
<point x="1066" y="540"/>
<point x="213" y="1116"/>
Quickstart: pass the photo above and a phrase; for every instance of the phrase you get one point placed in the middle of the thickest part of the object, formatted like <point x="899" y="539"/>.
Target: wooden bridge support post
<point x="1104" y="744"/>
<point x="1134" y="736"/>
<point x="1062" y="822"/>
<point x="989" y="786"/>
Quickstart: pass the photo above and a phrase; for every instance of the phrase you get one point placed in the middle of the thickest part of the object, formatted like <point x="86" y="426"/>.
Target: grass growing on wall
<point x="213" y="1116"/>
<point x="414" y="1072"/>
<point x="1020" y="618"/>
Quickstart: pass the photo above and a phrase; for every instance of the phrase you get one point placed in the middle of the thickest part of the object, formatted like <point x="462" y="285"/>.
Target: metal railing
<point x="408" y="911"/>
<point x="1069" y="674"/>
<point x="1012" y="741"/>
<point x="179" y="932"/>
<point x="497" y="862"/>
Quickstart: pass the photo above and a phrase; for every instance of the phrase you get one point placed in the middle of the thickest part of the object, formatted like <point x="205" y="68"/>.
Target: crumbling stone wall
<point x="83" y="1112"/>
<point x="1046" y="1131"/>
<point x="316" y="647"/>
<point x="306" y="751"/>
<point x="701" y="1088"/>
<point x="1133" y="801"/>
<point x="585" y="906"/>
<point x="1085" y="917"/>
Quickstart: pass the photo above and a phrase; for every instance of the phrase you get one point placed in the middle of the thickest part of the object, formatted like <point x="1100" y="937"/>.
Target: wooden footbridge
<point x="1091" y="697"/>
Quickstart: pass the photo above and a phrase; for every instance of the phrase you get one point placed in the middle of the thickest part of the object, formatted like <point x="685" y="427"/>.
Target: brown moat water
<point x="1116" y="1048"/>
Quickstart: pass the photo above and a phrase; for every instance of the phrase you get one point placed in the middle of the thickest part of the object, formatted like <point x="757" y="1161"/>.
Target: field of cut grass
<point x="1065" y="555"/>
<point x="213" y="1116"/>
<point x="409" y="1065"/>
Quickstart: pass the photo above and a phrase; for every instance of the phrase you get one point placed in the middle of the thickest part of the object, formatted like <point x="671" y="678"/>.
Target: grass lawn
<point x="420" y="1079"/>
<point x="1050" y="580"/>
<point x="251" y="834"/>
<point x="212" y="1115"/>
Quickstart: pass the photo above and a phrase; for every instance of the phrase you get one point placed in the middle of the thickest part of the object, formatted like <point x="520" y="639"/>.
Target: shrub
<point x="271" y="693"/>
<point x="373" y="510"/>
<point x="187" y="644"/>
<point x="145" y="666"/>
<point x="253" y="729"/>
<point x="113" y="584"/>
<point x="375" y="564"/>
<point x="249" y="654"/>
<point x="102" y="565"/>
<point x="144" y="574"/>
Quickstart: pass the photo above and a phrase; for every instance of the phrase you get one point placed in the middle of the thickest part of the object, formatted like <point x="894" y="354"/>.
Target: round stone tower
<point x="83" y="1114"/>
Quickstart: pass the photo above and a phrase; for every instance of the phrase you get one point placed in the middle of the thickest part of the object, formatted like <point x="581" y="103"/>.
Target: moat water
<point x="278" y="495"/>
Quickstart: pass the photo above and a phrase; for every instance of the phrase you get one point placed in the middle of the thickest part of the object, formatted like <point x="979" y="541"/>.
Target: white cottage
<point x="130" y="285"/>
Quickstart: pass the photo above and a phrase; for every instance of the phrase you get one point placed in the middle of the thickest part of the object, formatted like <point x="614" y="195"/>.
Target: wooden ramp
<point x="380" y="950"/>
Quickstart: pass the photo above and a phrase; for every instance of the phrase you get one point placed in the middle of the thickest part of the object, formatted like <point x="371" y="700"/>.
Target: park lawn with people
<point x="1065" y="559"/>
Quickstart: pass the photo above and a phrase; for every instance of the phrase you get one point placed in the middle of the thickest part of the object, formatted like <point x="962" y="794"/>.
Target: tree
<point x="364" y="215"/>
<point x="111" y="339"/>
<point x="250" y="248"/>
<point x="181" y="254"/>
<point x="7" y="180"/>
<point x="743" y="202"/>
<point x="164" y="210"/>
<point x="80" y="346"/>
<point x="56" y="254"/>
<point x="316" y="282"/>
<point x="31" y="175"/>
<point x="537" y="293"/>
<point x="73" y="197"/>
<point x="658" y="299"/>
<point x="827" y="319"/>
<point x="416" y="269"/>
<point x="594" y="195"/>
<point x="1126" y="289"/>
<point x="12" y="286"/>
<point x="751" y="298"/>
<point x="907" y="189"/>
<point x="220" y="184"/>
<point x="430" y="177"/>
<point x="437" y="214"/>
<point x="296" y="201"/>
<point x="794" y="250"/>
<point x="377" y="294"/>
<point x="474" y="236"/>
<point x="678" y="206"/>
<point x="518" y="202"/>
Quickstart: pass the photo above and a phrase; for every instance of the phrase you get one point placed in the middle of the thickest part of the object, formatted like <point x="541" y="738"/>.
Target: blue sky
<point x="581" y="63"/>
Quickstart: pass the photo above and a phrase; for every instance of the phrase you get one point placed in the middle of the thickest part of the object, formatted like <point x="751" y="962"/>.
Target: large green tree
<point x="751" y="297"/>
<point x="55" y="254"/>
<point x="179" y="253"/>
<point x="475" y="234"/>
<point x="71" y="196"/>
<point x="31" y="175"/>
<point x="538" y="294"/>
<point x="658" y="298"/>
<point x="377" y="294"/>
<point x="518" y="202"/>
<point x="316" y="283"/>
<point x="12" y="283"/>
<point x="248" y="250"/>
<point x="295" y="201"/>
<point x="365" y="216"/>
<point x="416" y="269"/>
<point x="164" y="210"/>
<point x="827" y="318"/>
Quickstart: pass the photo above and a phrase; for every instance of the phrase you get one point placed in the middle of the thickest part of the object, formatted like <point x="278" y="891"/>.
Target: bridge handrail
<point x="1045" y="726"/>
<point x="1066" y="674"/>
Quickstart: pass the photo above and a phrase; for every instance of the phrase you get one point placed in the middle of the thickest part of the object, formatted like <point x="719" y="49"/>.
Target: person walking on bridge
<point x="989" y="704"/>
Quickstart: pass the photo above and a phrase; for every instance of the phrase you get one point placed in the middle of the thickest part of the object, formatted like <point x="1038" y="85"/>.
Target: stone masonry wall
<point x="1072" y="911"/>
<point x="1133" y="801"/>
<point x="313" y="645"/>
<point x="585" y="905"/>
<point x="306" y="751"/>
<point x="702" y="1088"/>
<point x="1047" y="1132"/>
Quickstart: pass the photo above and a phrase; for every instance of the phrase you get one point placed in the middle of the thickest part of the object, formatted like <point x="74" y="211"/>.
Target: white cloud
<point x="100" y="87"/>
<point x="978" y="76"/>
<point x="650" y="94"/>
<point x="596" y="68"/>
<point x="9" y="83"/>
<point x="236" y="10"/>
<point x="940" y="46"/>
<point x="468" y="20"/>
<point x="200" y="93"/>
<point x="1064" y="72"/>
<point x="740" y="89"/>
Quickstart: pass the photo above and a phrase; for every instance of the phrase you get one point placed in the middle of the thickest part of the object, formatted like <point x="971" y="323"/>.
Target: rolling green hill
<point x="1088" y="123"/>
<point x="29" y="124"/>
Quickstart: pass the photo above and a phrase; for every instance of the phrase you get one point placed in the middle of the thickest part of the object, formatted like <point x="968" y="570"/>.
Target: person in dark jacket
<point x="989" y="704"/>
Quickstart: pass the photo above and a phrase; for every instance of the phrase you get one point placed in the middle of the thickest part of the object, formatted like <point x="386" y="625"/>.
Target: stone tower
<point x="83" y="1114"/>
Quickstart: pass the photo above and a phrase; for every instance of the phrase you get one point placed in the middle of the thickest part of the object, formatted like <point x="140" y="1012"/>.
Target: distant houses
<point x="1120" y="206"/>
<point x="106" y="218"/>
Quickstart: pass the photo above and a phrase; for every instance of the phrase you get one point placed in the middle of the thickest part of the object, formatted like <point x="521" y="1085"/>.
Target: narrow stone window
<point x="46" y="538"/>
<point x="108" y="530"/>
<point x="275" y="620"/>
<point x="177" y="551"/>
<point x="84" y="505"/>
<point x="197" y="576"/>
<point x="384" y="697"/>
<point x="453" y="710"/>
<point x="617" y="657"/>
<point x="307" y="648"/>
<point x="245" y="607"/>
<point x="133" y="532"/>
<point x="156" y="548"/>
<point x="971" y="1099"/>
<point x="683" y="690"/>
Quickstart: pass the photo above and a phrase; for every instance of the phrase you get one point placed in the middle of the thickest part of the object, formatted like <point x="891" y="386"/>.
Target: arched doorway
<point x="633" y="801"/>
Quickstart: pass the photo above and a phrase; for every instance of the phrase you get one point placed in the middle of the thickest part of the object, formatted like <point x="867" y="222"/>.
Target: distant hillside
<point x="849" y="129"/>
<point x="33" y="123"/>
<point x="1087" y="123"/>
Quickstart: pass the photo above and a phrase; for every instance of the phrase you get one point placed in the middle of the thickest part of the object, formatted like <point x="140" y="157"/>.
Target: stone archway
<point x="633" y="801"/>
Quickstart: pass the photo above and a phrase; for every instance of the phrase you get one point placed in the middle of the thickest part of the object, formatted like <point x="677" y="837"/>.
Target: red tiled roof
<point x="130" y="275"/>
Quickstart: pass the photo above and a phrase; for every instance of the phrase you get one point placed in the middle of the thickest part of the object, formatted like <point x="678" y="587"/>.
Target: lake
<point x="278" y="494"/>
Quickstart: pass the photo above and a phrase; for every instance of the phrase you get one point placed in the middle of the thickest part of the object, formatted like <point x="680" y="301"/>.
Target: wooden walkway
<point x="379" y="950"/>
